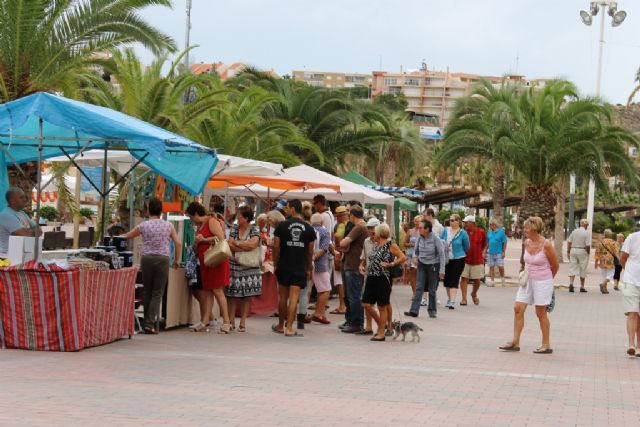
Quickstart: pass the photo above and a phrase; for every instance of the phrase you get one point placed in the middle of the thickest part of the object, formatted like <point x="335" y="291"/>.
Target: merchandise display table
<point x="44" y="307"/>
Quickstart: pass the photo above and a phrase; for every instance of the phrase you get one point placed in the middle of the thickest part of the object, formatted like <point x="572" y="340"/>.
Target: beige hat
<point x="469" y="218"/>
<point x="341" y="210"/>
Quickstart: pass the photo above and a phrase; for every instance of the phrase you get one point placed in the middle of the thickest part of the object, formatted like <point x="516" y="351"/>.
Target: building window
<point x="412" y="82"/>
<point x="390" y="82"/>
<point x="394" y="90"/>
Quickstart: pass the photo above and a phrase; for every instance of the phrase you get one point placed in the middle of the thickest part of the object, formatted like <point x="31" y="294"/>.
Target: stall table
<point x="45" y="307"/>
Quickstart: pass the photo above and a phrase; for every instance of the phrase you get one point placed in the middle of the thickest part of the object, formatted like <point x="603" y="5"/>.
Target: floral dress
<point x="245" y="281"/>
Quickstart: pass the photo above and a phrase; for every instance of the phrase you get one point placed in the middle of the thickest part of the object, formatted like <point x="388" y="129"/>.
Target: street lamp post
<point x="187" y="34"/>
<point x="609" y="7"/>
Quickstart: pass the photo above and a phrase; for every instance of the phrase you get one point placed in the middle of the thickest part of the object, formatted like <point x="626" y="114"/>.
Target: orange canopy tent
<point x="222" y="182"/>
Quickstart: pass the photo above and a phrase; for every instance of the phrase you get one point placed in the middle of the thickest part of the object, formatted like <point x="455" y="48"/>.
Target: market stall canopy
<point x="121" y="161"/>
<point x="304" y="173"/>
<point x="68" y="126"/>
<point x="222" y="181"/>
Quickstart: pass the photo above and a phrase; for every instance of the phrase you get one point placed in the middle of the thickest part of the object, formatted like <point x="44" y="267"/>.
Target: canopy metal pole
<point x="36" y="234"/>
<point x="226" y="207"/>
<point x="103" y="214"/>
<point x="131" y="201"/>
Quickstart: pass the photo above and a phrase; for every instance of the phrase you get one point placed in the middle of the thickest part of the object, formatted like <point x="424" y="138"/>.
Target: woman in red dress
<point x="214" y="279"/>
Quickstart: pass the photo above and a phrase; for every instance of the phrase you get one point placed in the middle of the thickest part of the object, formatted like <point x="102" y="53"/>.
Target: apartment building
<point x="224" y="71"/>
<point x="333" y="80"/>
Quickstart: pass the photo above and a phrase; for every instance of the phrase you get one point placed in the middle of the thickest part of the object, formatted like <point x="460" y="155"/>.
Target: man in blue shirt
<point x="497" y="250"/>
<point x="13" y="221"/>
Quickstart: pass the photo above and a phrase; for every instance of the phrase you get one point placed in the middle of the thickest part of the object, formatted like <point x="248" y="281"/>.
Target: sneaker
<point x="433" y="315"/>
<point x="582" y="289"/>
<point x="410" y="314"/>
<point x="571" y="288"/>
<point x="363" y="332"/>
<point x="490" y="284"/>
<point x="352" y="329"/>
<point x="452" y="305"/>
<point x="344" y="325"/>
<point x="423" y="303"/>
<point x="448" y="303"/>
<point x="503" y="282"/>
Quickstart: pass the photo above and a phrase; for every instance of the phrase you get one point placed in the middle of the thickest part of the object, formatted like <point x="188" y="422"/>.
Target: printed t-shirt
<point x="295" y="237"/>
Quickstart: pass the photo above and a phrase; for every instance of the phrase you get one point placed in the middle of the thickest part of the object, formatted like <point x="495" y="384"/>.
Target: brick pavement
<point x="455" y="376"/>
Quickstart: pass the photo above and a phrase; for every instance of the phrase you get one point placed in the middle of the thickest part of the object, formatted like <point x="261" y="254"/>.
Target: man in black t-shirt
<point x="292" y="255"/>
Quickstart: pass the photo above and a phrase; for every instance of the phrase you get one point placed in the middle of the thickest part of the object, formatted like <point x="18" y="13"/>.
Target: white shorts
<point x="579" y="259"/>
<point x="537" y="292"/>
<point x="322" y="281"/>
<point x="337" y="277"/>
<point x="630" y="298"/>
<point x="607" y="273"/>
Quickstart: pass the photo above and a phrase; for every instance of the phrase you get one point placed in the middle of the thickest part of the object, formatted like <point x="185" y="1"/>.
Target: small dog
<point x="405" y="328"/>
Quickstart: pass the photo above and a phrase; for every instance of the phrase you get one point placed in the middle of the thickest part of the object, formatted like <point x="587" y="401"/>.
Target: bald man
<point x="13" y="220"/>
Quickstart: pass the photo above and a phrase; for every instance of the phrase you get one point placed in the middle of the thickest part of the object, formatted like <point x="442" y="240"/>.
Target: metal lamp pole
<point x="609" y="7"/>
<point x="187" y="34"/>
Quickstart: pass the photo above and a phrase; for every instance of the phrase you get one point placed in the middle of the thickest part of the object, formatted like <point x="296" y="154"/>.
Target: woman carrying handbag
<point x="246" y="278"/>
<point x="214" y="279"/>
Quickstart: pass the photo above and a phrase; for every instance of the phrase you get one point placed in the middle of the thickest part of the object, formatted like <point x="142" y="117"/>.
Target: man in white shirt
<point x="14" y="221"/>
<point x="578" y="248"/>
<point x="630" y="260"/>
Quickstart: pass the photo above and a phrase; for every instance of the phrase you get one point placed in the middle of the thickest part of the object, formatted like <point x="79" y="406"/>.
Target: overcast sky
<point x="472" y="36"/>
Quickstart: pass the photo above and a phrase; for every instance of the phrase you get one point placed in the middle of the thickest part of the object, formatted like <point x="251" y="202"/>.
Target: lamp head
<point x="618" y="18"/>
<point x="586" y="17"/>
<point x="613" y="8"/>
<point x="594" y="8"/>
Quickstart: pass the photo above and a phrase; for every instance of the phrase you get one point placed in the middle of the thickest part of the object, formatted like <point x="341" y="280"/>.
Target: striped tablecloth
<point x="47" y="308"/>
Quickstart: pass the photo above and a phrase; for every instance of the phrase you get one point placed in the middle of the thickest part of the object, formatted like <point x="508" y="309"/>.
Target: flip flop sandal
<point x="509" y="347"/>
<point x="336" y="311"/>
<point x="476" y="300"/>
<point x="631" y="351"/>
<point x="294" y="335"/>
<point x="377" y="339"/>
<point x="275" y="329"/>
<point x="543" y="351"/>
<point x="463" y="303"/>
<point x="242" y="329"/>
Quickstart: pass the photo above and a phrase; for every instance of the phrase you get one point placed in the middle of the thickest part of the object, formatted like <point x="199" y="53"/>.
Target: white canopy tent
<point x="121" y="161"/>
<point x="348" y="189"/>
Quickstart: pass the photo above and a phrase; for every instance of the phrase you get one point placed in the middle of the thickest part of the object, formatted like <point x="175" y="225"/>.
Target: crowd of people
<point x="317" y="251"/>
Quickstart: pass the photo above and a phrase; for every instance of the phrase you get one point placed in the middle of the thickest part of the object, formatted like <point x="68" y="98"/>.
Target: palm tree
<point x="635" y="89"/>
<point x="558" y="133"/>
<point x="44" y="43"/>
<point x="481" y="125"/>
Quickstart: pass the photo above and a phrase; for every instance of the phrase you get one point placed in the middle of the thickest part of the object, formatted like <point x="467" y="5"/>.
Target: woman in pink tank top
<point x="541" y="263"/>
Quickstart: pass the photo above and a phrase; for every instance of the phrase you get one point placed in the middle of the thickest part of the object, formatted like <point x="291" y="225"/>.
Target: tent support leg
<point x="103" y="193"/>
<point x="36" y="240"/>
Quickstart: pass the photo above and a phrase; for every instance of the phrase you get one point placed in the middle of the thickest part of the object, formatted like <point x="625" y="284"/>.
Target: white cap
<point x="469" y="218"/>
<point x="373" y="222"/>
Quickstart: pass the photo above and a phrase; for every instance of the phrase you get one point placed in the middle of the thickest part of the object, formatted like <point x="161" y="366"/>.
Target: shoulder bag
<point x="616" y="260"/>
<point x="252" y="258"/>
<point x="217" y="253"/>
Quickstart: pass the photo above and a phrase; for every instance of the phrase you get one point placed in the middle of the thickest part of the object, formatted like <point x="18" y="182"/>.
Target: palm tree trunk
<point x="539" y="200"/>
<point x="559" y="226"/>
<point x="498" y="191"/>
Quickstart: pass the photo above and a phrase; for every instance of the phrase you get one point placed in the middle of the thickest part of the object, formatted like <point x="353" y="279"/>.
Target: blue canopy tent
<point x="42" y="125"/>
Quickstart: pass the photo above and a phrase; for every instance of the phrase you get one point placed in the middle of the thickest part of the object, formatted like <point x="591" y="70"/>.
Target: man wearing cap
<point x="474" y="260"/>
<point x="578" y="248"/>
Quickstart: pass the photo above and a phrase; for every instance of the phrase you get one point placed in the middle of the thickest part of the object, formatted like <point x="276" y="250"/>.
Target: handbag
<point x="217" y="253"/>
<point x="252" y="258"/>
<point x="396" y="271"/>
<point x="523" y="278"/>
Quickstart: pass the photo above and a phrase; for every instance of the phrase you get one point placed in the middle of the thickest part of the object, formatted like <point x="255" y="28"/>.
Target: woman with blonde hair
<point x="540" y="267"/>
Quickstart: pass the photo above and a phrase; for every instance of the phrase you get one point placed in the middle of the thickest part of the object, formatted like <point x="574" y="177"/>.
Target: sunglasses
<point x="452" y="219"/>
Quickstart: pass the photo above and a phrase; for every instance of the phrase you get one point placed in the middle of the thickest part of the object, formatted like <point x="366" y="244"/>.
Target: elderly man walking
<point x="578" y="248"/>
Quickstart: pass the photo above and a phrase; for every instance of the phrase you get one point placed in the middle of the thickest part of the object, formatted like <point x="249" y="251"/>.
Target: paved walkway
<point x="455" y="376"/>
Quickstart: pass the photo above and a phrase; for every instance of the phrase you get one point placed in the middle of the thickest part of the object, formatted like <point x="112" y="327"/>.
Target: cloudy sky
<point x="536" y="38"/>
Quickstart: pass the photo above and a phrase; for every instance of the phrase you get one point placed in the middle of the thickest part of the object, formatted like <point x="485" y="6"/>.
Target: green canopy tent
<point x="399" y="204"/>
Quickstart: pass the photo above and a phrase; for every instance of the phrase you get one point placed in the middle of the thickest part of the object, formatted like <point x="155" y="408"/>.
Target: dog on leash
<point x="405" y="328"/>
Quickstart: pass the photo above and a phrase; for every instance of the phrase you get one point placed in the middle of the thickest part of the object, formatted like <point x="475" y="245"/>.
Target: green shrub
<point x="86" y="213"/>
<point x="49" y="213"/>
